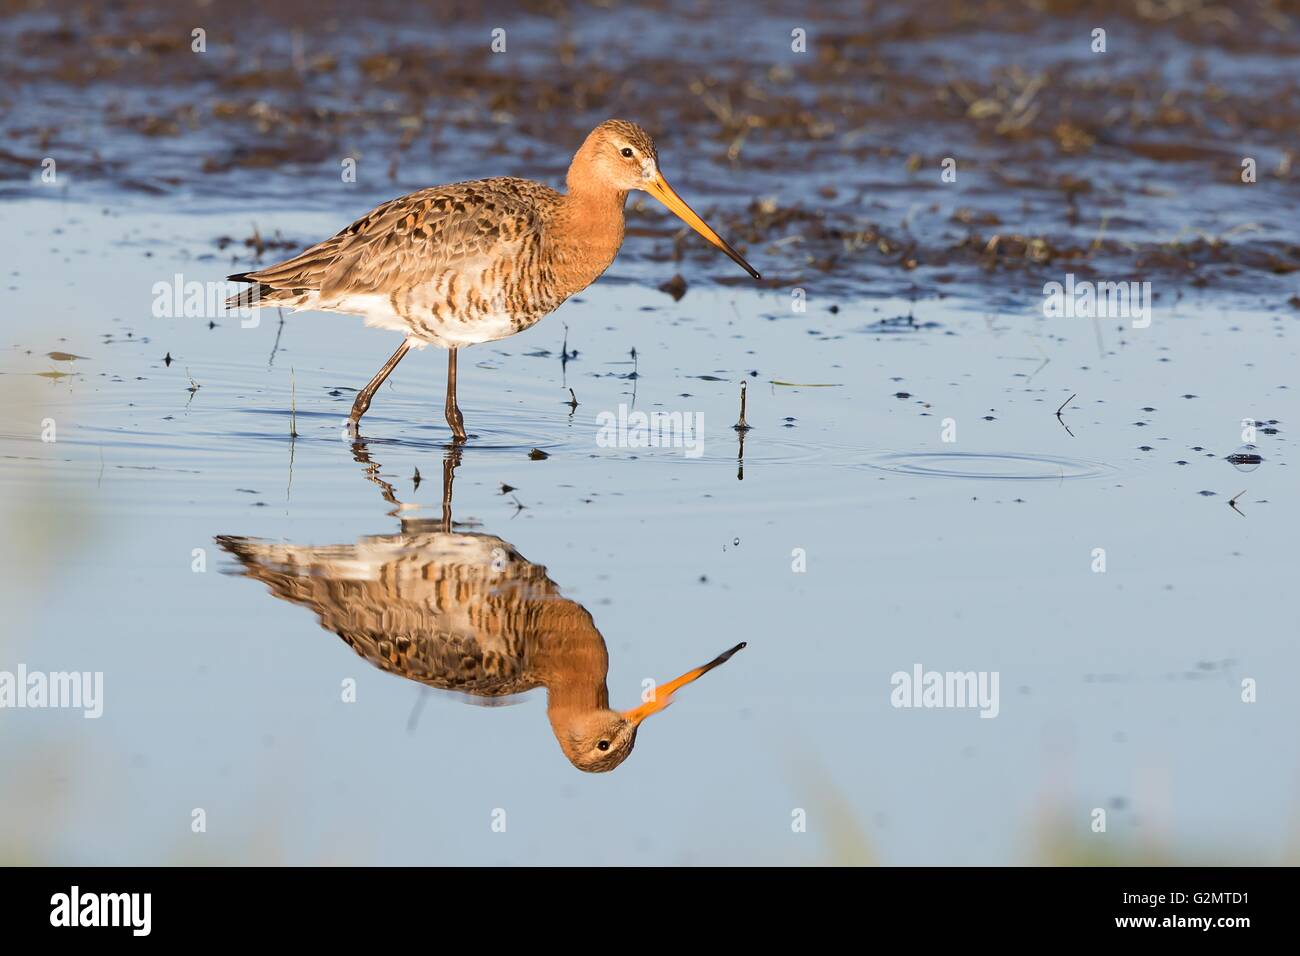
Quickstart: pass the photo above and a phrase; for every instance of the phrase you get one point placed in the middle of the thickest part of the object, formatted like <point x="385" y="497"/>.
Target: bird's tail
<point x="256" y="294"/>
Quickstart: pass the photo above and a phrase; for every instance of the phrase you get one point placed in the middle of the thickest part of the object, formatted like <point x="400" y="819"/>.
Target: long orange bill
<point x="664" y="692"/>
<point x="660" y="189"/>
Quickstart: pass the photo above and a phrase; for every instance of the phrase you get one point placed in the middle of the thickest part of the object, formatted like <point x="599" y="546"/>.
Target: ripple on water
<point x="491" y="429"/>
<point x="1013" y="466"/>
<point x="760" y="448"/>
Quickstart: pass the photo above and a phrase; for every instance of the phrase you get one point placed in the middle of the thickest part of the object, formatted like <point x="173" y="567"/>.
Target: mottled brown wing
<point x="430" y="608"/>
<point x="408" y="241"/>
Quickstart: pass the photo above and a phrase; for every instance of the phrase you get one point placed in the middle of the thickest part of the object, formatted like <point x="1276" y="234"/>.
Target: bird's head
<point x="599" y="740"/>
<point x="621" y="156"/>
<point x="596" y="741"/>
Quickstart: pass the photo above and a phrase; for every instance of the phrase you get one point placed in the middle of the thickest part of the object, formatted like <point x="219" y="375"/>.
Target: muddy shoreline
<point x="827" y="164"/>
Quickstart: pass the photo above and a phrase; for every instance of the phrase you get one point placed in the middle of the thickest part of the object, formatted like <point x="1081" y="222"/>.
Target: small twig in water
<point x="1101" y="234"/>
<point x="276" y="347"/>
<point x="1061" y="409"/>
<point x="1045" y="363"/>
<point x="634" y="375"/>
<point x="565" y="355"/>
<point x="742" y="425"/>
<point x="414" y="719"/>
<point x="293" y="405"/>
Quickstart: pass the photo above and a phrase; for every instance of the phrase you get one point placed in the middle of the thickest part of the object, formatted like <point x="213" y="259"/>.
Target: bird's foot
<point x="359" y="408"/>
<point x="457" y="424"/>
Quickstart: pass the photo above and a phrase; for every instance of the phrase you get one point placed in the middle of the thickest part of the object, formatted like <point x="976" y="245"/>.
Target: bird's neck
<point x="568" y="699"/>
<point x="590" y="232"/>
<point x="568" y="656"/>
<point x="569" y="702"/>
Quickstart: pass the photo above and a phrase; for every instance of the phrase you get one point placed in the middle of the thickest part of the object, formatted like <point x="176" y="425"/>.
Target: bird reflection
<point x="462" y="612"/>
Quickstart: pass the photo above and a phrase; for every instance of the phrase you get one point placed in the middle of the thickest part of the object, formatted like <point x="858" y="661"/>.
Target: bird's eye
<point x="603" y="745"/>
<point x="627" y="151"/>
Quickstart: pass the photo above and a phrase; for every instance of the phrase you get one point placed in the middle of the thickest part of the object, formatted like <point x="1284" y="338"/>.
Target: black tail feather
<point x="255" y="295"/>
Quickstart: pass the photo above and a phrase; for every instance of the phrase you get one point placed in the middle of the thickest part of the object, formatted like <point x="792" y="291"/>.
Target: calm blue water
<point x="1117" y="690"/>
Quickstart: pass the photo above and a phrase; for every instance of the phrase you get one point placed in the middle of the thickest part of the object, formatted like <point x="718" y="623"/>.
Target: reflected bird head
<point x="599" y="740"/>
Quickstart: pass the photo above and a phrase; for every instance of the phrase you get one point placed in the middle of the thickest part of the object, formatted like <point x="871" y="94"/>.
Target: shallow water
<point x="1118" y="690"/>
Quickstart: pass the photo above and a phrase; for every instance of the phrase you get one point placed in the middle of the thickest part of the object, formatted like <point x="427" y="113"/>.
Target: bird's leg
<point x="364" y="396"/>
<point x="454" y="418"/>
<point x="362" y="456"/>
<point x="449" y="462"/>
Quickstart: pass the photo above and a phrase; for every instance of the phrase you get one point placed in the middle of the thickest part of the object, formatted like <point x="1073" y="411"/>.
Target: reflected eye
<point x="603" y="745"/>
<point x="627" y="151"/>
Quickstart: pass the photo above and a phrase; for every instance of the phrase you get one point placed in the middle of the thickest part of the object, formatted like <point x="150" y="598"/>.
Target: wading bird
<point x="463" y="612"/>
<point x="476" y="261"/>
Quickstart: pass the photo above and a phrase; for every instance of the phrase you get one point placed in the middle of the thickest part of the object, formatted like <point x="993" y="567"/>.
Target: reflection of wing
<point x="460" y="612"/>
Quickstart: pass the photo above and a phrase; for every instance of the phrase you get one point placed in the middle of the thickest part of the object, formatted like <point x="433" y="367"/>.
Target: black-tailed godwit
<point x="477" y="261"/>
<point x="463" y="612"/>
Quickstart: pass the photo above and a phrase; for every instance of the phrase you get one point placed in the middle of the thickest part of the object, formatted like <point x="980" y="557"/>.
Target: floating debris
<point x="899" y="323"/>
<point x="1232" y="503"/>
<point x="675" y="287"/>
<point x="1061" y="409"/>
<point x="1245" y="458"/>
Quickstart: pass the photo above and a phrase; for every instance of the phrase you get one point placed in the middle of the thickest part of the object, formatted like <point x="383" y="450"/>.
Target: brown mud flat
<point x="825" y="164"/>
